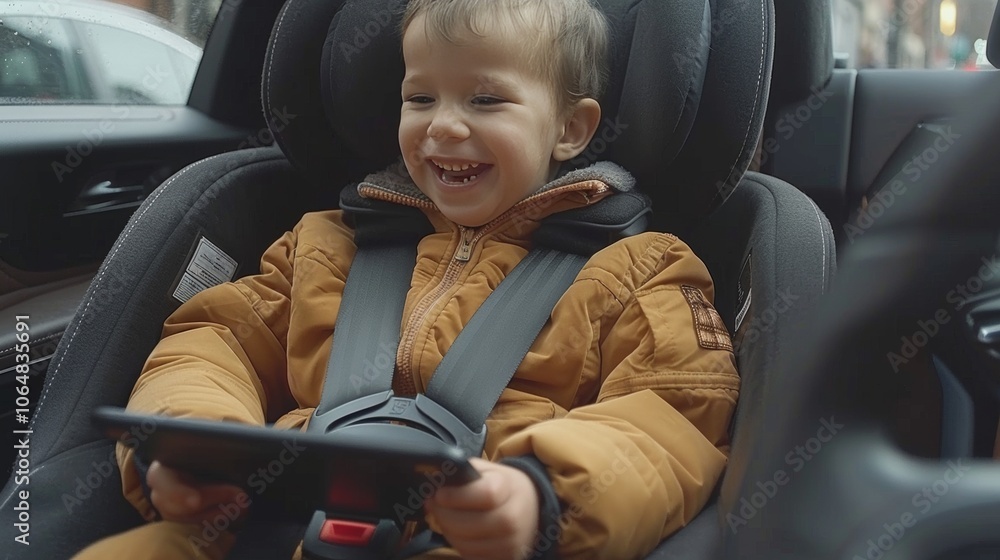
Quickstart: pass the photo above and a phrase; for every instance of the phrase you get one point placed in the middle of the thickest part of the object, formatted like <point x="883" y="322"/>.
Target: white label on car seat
<point x="209" y="266"/>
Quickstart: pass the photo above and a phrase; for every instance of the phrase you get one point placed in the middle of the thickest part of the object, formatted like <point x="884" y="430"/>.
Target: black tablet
<point x="381" y="470"/>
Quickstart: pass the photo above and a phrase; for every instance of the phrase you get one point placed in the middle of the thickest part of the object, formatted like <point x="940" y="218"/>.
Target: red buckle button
<point x="348" y="533"/>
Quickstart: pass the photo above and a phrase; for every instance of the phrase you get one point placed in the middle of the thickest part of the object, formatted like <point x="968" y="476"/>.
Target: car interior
<point x="835" y="243"/>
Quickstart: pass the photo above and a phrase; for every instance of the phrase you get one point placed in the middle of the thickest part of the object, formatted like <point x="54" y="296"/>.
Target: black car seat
<point x="683" y="112"/>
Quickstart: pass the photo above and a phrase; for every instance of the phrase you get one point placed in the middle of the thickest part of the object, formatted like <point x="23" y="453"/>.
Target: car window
<point x="149" y="75"/>
<point x="101" y="51"/>
<point x="33" y="63"/>
<point x="935" y="34"/>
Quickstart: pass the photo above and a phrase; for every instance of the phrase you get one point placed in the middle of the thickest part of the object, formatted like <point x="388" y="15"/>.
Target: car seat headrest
<point x="337" y="65"/>
<point x="730" y="119"/>
<point x="803" y="57"/>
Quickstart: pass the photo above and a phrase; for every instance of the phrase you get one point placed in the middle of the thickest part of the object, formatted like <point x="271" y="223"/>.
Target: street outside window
<point x="933" y="34"/>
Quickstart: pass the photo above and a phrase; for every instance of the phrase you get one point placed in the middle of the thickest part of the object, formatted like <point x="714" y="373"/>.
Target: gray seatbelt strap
<point x="482" y="360"/>
<point x="366" y="334"/>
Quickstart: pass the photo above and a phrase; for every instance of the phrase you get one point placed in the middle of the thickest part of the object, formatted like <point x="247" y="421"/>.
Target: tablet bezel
<point x="381" y="470"/>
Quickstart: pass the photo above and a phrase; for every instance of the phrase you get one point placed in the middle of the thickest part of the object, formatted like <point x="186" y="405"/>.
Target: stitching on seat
<point x="822" y="233"/>
<point x="52" y="373"/>
<point x="270" y="63"/>
<point x="819" y="220"/>
<point x="822" y="230"/>
<point x="33" y="342"/>
<point x="756" y="97"/>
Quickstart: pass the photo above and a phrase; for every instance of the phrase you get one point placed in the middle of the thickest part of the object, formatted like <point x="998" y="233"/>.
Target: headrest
<point x="803" y="54"/>
<point x="730" y="118"/>
<point x="337" y="65"/>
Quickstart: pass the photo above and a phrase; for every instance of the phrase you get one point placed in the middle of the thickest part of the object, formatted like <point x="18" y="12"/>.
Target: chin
<point x="466" y="219"/>
<point x="466" y="222"/>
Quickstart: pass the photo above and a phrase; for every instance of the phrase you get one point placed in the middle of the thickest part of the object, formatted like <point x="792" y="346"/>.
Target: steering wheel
<point x="830" y="482"/>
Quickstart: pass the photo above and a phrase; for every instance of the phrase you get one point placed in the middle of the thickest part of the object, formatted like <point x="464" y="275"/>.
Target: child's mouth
<point x="459" y="175"/>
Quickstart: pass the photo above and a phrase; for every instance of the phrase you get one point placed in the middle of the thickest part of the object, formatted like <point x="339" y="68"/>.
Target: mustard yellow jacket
<point x="626" y="395"/>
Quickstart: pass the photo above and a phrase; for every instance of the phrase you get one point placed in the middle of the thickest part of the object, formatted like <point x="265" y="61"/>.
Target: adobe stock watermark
<point x="591" y="492"/>
<point x="264" y="136"/>
<point x="900" y="184"/>
<point x="927" y="329"/>
<point x="896" y="528"/>
<point x="415" y="497"/>
<point x="371" y="369"/>
<point x="793" y="120"/>
<point x="96" y="135"/>
<point x="765" y="321"/>
<point x="365" y="34"/>
<point x="796" y="459"/>
<point x="898" y="18"/>
<point x="621" y="464"/>
<point x="258" y="481"/>
<point x="608" y="133"/>
<point x="786" y="127"/>
<point x="110" y="286"/>
<point x="104" y="469"/>
<point x="727" y="17"/>
<point x="279" y="119"/>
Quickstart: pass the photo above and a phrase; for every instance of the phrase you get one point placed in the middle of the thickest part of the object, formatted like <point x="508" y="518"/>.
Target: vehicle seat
<point x="683" y="112"/>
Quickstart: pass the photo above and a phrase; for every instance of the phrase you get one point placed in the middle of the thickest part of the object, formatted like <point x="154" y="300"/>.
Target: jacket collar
<point x="574" y="189"/>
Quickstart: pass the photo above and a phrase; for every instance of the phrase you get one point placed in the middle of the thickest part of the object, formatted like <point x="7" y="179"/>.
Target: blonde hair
<point x="565" y="40"/>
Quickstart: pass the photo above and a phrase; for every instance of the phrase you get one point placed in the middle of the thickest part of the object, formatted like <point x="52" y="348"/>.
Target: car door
<point x="100" y="103"/>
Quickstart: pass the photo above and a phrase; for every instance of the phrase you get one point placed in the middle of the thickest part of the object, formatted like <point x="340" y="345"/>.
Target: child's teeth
<point x="450" y="167"/>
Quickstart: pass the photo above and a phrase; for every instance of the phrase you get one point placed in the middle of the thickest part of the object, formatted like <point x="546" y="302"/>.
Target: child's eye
<point x="486" y="100"/>
<point x="421" y="99"/>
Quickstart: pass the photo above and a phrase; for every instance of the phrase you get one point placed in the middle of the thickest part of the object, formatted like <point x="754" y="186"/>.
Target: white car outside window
<point x="101" y="52"/>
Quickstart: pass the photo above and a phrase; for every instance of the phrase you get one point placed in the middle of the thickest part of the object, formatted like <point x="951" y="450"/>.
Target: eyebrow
<point x="487" y="81"/>
<point x="495" y="81"/>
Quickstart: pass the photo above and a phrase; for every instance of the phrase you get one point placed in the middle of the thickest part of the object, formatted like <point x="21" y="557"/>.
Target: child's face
<point x="478" y="130"/>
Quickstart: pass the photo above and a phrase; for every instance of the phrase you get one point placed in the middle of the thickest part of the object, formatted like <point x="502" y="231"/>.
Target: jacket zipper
<point x="404" y="382"/>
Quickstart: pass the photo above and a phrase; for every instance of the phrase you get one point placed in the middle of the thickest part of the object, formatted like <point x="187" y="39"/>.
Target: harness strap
<point x="482" y="360"/>
<point x="366" y="335"/>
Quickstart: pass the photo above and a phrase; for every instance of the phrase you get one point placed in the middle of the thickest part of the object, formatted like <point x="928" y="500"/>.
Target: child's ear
<point x="579" y="128"/>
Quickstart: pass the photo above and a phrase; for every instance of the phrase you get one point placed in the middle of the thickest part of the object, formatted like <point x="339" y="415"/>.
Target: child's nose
<point x="447" y="124"/>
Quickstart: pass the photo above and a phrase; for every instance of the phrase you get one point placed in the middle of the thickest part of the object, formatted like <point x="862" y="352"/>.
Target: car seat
<point x="683" y="112"/>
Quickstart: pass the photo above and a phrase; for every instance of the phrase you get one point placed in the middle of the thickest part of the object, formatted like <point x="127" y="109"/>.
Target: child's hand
<point x="493" y="517"/>
<point x="180" y="497"/>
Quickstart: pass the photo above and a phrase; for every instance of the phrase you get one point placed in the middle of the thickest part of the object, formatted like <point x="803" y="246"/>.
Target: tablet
<point x="379" y="470"/>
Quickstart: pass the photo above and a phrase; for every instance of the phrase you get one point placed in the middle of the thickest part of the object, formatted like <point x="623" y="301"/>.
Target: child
<point x="613" y="432"/>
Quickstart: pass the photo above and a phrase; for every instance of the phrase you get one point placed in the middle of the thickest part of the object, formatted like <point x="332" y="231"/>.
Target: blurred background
<point x="912" y="33"/>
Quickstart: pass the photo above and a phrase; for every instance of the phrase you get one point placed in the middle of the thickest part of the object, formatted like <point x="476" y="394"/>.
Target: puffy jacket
<point x="625" y="397"/>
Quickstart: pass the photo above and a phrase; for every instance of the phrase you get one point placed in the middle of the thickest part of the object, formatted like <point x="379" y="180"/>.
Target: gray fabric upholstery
<point x="700" y="540"/>
<point x="793" y="263"/>
<point x="730" y="116"/>
<point x="803" y="53"/>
